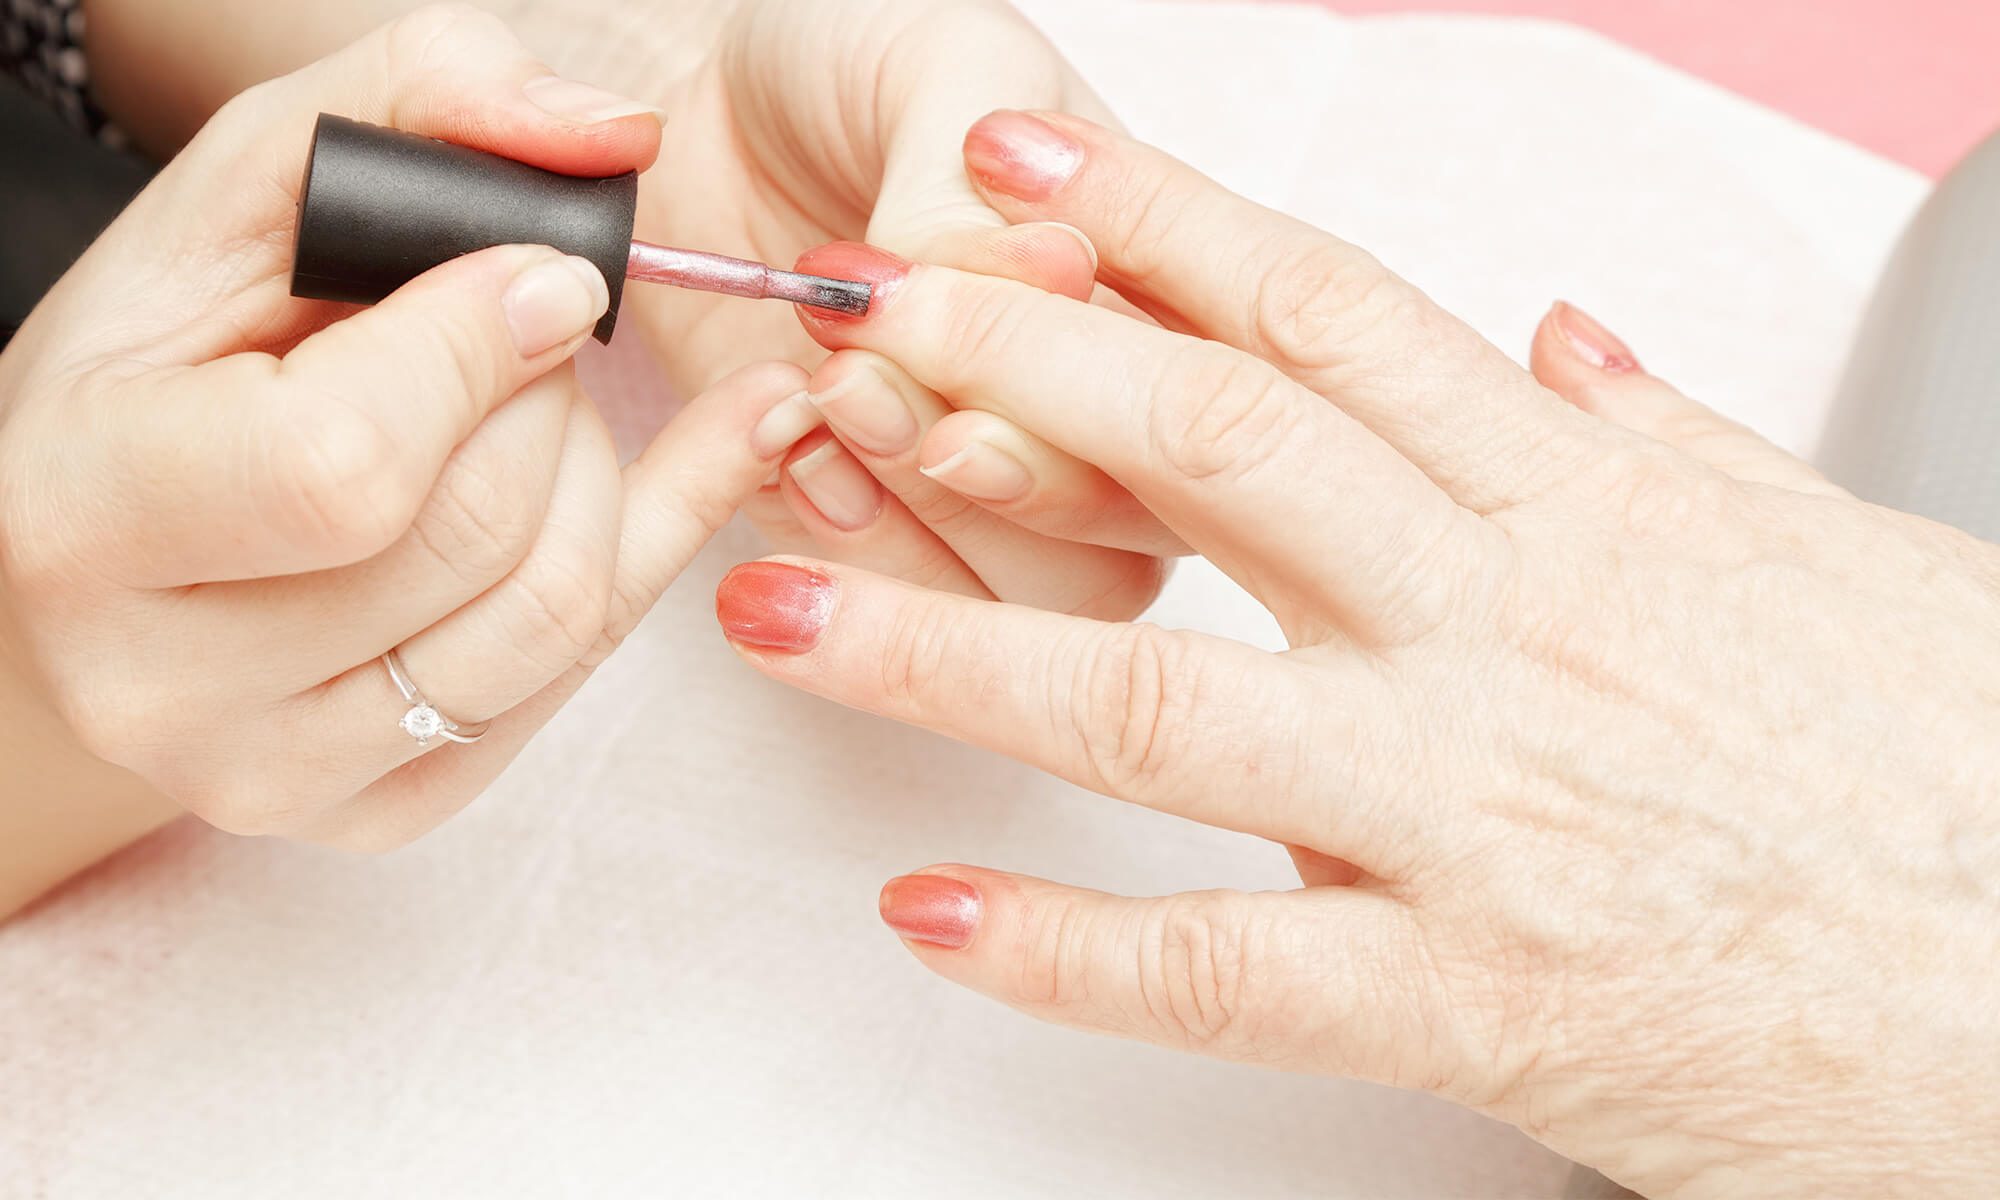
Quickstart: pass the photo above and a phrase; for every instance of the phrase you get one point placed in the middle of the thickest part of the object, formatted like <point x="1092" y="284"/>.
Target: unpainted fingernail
<point x="583" y="103"/>
<point x="775" y="606"/>
<point x="789" y="420"/>
<point x="836" y="484"/>
<point x="934" y="909"/>
<point x="1597" y="346"/>
<point x="869" y="412"/>
<point x="1021" y="156"/>
<point x="552" y="302"/>
<point x="983" y="471"/>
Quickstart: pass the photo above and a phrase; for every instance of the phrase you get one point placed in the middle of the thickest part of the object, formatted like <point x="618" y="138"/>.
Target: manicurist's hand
<point x="807" y="123"/>
<point x="221" y="506"/>
<point x="1646" y="789"/>
<point x="788" y="125"/>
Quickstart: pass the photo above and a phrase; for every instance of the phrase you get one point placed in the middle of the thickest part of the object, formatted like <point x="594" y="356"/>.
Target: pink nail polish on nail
<point x="862" y="263"/>
<point x="934" y="909"/>
<point x="775" y="606"/>
<point x="1592" y="342"/>
<point x="1021" y="156"/>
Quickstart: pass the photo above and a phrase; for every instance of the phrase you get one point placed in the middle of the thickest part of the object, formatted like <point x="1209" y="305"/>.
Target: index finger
<point x="1295" y="499"/>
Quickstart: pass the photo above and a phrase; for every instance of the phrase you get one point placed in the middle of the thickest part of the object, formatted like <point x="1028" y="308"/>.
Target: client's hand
<point x="220" y="506"/>
<point x="1648" y="795"/>
<point x="806" y="123"/>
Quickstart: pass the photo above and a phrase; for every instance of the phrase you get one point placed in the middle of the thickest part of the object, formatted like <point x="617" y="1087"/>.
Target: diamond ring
<point x="423" y="721"/>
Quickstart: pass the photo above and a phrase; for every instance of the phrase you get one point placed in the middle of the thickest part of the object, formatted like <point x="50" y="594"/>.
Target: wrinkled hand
<point x="800" y="124"/>
<point x="1647" y="788"/>
<point x="219" y="504"/>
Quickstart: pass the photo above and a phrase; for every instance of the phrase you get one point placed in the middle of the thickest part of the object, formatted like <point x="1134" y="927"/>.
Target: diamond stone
<point x="422" y="722"/>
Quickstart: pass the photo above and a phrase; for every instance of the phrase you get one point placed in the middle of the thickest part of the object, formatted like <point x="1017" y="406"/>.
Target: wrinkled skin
<point x="1646" y="786"/>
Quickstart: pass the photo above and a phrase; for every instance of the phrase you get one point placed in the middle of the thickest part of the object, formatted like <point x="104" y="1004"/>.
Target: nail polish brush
<point x="378" y="207"/>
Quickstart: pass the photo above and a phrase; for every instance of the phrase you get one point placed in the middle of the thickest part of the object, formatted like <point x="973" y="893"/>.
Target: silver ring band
<point x="423" y="722"/>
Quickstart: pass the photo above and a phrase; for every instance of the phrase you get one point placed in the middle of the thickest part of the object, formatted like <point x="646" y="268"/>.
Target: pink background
<point x="1914" y="80"/>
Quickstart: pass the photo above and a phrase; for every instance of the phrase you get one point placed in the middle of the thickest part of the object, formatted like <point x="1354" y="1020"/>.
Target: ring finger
<point x="501" y="647"/>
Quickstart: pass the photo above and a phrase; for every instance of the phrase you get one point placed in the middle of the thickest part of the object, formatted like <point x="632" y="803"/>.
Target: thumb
<point x="1326" y="979"/>
<point x="1587" y="365"/>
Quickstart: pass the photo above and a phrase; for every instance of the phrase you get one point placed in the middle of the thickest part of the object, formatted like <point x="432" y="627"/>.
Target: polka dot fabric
<point x="41" y="45"/>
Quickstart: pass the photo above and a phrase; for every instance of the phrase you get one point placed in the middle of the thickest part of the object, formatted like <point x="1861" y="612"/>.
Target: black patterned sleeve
<point x="41" y="45"/>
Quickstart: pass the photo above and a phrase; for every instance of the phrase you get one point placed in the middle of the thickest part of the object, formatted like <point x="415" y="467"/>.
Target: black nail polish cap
<point x="378" y="207"/>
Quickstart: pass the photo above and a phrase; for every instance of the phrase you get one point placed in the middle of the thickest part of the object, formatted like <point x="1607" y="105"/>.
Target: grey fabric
<point x="1917" y="423"/>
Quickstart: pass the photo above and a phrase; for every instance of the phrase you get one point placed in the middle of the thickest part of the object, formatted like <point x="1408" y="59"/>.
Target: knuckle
<point x="1053" y="970"/>
<point x="1192" y="974"/>
<point x="475" y="526"/>
<point x="1648" y="493"/>
<point x="1155" y="205"/>
<point x="923" y="648"/>
<point x="1136" y="693"/>
<point x="464" y="355"/>
<point x="131" y="720"/>
<point x="1318" y="299"/>
<point x="984" y="323"/>
<point x="424" y="39"/>
<point x="1228" y="416"/>
<point x="338" y="476"/>
<point x="556" y="604"/>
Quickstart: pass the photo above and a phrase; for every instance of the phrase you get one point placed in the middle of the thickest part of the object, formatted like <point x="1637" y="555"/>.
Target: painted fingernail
<point x="857" y="261"/>
<point x="1597" y="346"/>
<point x="1021" y="156"/>
<point x="789" y="420"/>
<point x="582" y="103"/>
<point x="868" y="412"/>
<point x="775" y="606"/>
<point x="552" y="302"/>
<point x="838" y="486"/>
<point x="983" y="471"/>
<point x="934" y="909"/>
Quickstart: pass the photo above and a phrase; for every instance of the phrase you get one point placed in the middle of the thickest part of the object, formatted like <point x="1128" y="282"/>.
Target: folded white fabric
<point x="648" y="963"/>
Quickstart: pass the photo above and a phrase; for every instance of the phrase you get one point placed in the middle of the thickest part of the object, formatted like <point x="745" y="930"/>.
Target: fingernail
<point x="552" y="302"/>
<point x="1021" y="156"/>
<point x="775" y="606"/>
<point x="1593" y="343"/>
<point x="789" y="420"/>
<point x="868" y="412"/>
<point x="838" y="486"/>
<point x="983" y="471"/>
<point x="582" y="103"/>
<point x="857" y="261"/>
<point x="934" y="909"/>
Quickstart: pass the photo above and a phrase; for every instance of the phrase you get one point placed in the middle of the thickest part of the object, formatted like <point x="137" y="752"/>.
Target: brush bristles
<point x="816" y="291"/>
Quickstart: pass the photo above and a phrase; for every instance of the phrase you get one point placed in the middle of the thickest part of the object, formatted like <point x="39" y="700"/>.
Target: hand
<point x="843" y="119"/>
<point x="1663" y="777"/>
<point x="220" y="505"/>
<point x="787" y="125"/>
